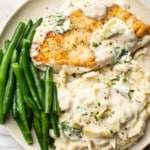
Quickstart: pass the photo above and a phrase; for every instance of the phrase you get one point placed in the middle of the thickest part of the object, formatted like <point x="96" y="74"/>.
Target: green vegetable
<point x="51" y="142"/>
<point x="59" y="19"/>
<point x="33" y="29"/>
<point x="10" y="85"/>
<point x="55" y="106"/>
<point x="120" y="52"/>
<point x="14" y="108"/>
<point x="122" y="86"/>
<point x="28" y="28"/>
<point x="30" y="103"/>
<point x="7" y="42"/>
<point x="5" y="64"/>
<point x="29" y="115"/>
<point x="48" y="90"/>
<point x="54" y="123"/>
<point x="38" y="130"/>
<point x="38" y="82"/>
<point x="27" y="136"/>
<point x="24" y="92"/>
<point x="25" y="64"/>
<point x="45" y="131"/>
<point x="1" y="55"/>
<point x="73" y="133"/>
<point x="21" y="108"/>
<point x="25" y="33"/>
<point x="21" y="79"/>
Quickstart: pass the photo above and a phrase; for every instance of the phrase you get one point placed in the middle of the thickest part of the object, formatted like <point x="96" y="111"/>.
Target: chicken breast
<point x="72" y="48"/>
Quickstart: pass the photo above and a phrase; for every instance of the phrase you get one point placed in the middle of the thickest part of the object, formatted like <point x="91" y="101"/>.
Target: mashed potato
<point x="104" y="108"/>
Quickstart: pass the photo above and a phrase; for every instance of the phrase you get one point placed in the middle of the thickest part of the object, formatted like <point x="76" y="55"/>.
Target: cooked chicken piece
<point x="73" y="47"/>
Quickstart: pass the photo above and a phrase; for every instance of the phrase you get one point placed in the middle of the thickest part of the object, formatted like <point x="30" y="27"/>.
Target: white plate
<point x="39" y="8"/>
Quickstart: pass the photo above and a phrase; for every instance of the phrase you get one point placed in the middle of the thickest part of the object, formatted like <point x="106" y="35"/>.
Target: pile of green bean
<point x="31" y="99"/>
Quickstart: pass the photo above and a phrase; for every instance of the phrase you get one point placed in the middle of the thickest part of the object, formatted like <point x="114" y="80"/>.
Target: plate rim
<point x="6" y="22"/>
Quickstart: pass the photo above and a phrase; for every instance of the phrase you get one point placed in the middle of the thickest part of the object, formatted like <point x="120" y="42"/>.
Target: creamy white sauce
<point x="51" y="23"/>
<point x="122" y="86"/>
<point x="143" y="57"/>
<point x="96" y="9"/>
<point x="57" y="23"/>
<point x="112" y="39"/>
<point x="98" y="111"/>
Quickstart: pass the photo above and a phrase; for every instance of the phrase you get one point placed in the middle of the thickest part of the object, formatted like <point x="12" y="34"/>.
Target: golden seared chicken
<point x="81" y="41"/>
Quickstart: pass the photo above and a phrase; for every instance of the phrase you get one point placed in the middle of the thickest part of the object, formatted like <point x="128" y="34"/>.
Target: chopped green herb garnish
<point x="96" y="117"/>
<point x="99" y="104"/>
<point x="94" y="44"/>
<point x="74" y="46"/>
<point x="78" y="107"/>
<point x="124" y="80"/>
<point x="74" y="75"/>
<point x="132" y="91"/>
<point x="85" y="114"/>
<point x="73" y="133"/>
<point x="82" y="42"/>
<point x="59" y="84"/>
<point x="120" y="51"/>
<point x="125" y="128"/>
<point x="111" y="131"/>
<point x="91" y="112"/>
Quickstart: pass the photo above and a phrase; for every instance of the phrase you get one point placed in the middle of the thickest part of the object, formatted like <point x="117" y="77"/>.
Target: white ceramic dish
<point x="39" y="8"/>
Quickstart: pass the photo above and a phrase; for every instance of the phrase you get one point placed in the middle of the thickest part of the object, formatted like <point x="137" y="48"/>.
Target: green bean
<point x="51" y="142"/>
<point x="55" y="105"/>
<point x="21" y="79"/>
<point x="48" y="90"/>
<point x="25" y="64"/>
<point x="45" y="130"/>
<point x="33" y="29"/>
<point x="5" y="64"/>
<point x="7" y="42"/>
<point x="10" y="85"/>
<point x="30" y="103"/>
<point x="23" y="86"/>
<point x="30" y="116"/>
<point x="21" y="108"/>
<point x="54" y="123"/>
<point x="25" y="34"/>
<point x="28" y="28"/>
<point x="14" y="107"/>
<point x="27" y="136"/>
<point x="1" y="55"/>
<point x="38" y="130"/>
<point x="38" y="82"/>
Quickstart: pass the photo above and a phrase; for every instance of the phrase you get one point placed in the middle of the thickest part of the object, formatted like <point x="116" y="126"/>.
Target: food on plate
<point x="75" y="39"/>
<point x="102" y="91"/>
<point x="103" y="109"/>
<point x="86" y="77"/>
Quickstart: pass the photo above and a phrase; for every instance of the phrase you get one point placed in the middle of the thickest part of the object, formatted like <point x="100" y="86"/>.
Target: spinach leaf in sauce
<point x="73" y="133"/>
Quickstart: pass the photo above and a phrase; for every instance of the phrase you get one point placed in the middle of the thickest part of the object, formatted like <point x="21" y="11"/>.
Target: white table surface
<point x="6" y="8"/>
